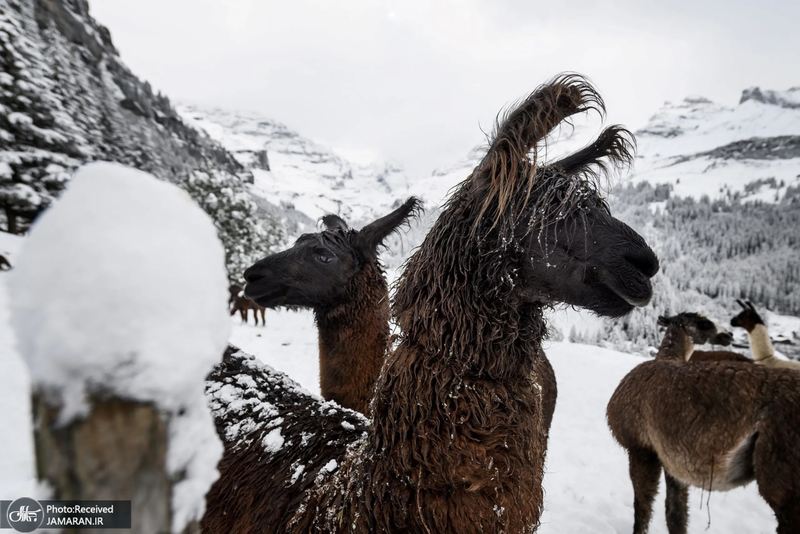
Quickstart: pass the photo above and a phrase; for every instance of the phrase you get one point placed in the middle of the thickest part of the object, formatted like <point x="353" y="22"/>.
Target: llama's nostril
<point x="253" y="275"/>
<point x="644" y="260"/>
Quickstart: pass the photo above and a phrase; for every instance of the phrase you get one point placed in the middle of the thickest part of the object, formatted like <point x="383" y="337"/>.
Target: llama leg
<point x="645" y="471"/>
<point x="677" y="506"/>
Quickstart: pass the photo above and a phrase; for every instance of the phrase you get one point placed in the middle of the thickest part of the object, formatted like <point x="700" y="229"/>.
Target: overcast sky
<point x="414" y="81"/>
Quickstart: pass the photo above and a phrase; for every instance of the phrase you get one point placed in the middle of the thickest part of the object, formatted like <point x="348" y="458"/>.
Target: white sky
<point x="413" y="81"/>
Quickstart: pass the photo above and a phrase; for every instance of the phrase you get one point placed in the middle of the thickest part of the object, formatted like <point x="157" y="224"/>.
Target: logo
<point x="25" y="515"/>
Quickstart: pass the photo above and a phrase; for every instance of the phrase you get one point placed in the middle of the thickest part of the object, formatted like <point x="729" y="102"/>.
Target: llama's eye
<point x="323" y="258"/>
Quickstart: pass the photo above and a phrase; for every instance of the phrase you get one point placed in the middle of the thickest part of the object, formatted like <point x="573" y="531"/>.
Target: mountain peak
<point x="789" y="99"/>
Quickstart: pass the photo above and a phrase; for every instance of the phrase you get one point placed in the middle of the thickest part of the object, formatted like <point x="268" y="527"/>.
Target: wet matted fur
<point x="278" y="440"/>
<point x="711" y="424"/>
<point x="458" y="435"/>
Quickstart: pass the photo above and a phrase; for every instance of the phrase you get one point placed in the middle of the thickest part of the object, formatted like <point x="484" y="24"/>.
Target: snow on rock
<point x="121" y="287"/>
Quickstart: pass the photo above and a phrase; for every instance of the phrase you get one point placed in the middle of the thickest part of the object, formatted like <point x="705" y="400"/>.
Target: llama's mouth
<point x="722" y="338"/>
<point x="264" y="296"/>
<point x="633" y="287"/>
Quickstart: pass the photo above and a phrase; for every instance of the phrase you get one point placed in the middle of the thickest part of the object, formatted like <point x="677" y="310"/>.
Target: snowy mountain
<point x="296" y="173"/>
<point x="703" y="148"/>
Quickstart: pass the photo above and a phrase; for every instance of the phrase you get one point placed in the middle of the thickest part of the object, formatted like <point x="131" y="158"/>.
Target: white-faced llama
<point x="711" y="424"/>
<point x="760" y="343"/>
<point x="457" y="439"/>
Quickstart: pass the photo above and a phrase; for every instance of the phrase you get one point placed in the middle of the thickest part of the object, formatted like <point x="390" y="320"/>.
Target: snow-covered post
<point x="119" y="304"/>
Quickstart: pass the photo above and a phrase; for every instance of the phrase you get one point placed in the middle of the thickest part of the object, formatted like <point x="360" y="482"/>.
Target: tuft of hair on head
<point x="334" y="222"/>
<point x="369" y="238"/>
<point x="664" y="321"/>
<point x="512" y="157"/>
<point x="613" y="151"/>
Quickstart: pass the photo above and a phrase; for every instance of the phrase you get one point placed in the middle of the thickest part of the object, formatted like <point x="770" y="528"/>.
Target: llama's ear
<point x="663" y="321"/>
<point x="742" y="304"/>
<point x="750" y="306"/>
<point x="334" y="222"/>
<point x="372" y="235"/>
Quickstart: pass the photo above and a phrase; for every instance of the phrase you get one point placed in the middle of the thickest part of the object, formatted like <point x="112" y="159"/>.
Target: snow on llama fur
<point x="740" y="423"/>
<point x="118" y="302"/>
<point x="336" y="273"/>
<point x="457" y="440"/>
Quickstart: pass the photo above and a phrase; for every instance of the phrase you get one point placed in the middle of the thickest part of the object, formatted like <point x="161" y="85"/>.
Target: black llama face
<point x="701" y="329"/>
<point x="317" y="269"/>
<point x="582" y="255"/>
<point x="748" y="318"/>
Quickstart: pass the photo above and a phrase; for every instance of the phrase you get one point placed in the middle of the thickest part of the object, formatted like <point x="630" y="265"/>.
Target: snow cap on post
<point x="121" y="291"/>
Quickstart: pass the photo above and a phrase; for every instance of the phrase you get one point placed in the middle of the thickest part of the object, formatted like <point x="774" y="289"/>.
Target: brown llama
<point x="457" y="439"/>
<point x="760" y="343"/>
<point x="338" y="275"/>
<point x="241" y="304"/>
<point x="723" y="337"/>
<point x="715" y="425"/>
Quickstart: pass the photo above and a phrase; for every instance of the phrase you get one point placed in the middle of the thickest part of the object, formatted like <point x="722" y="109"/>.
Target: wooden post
<point x="117" y="452"/>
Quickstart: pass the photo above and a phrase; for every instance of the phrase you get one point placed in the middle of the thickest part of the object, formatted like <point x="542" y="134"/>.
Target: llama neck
<point x="467" y="419"/>
<point x="353" y="336"/>
<point x="760" y="343"/>
<point x="676" y="345"/>
<point x="458" y="420"/>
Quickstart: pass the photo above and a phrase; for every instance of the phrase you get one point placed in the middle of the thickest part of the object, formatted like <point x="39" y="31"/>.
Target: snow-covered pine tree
<point x="36" y="152"/>
<point x="246" y="235"/>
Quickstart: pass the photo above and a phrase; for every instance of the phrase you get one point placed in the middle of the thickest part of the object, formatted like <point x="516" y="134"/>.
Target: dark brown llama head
<point x="316" y="270"/>
<point x="699" y="328"/>
<point x="588" y="258"/>
<point x="578" y="252"/>
<point x="748" y="318"/>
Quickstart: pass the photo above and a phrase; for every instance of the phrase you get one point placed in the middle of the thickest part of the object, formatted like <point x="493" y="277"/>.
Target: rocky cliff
<point x="66" y="97"/>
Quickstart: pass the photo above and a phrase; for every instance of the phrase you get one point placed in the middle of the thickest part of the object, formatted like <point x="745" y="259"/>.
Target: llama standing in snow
<point x="458" y="439"/>
<point x="715" y="425"/>
<point x="760" y="343"/>
<point x="241" y="304"/>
